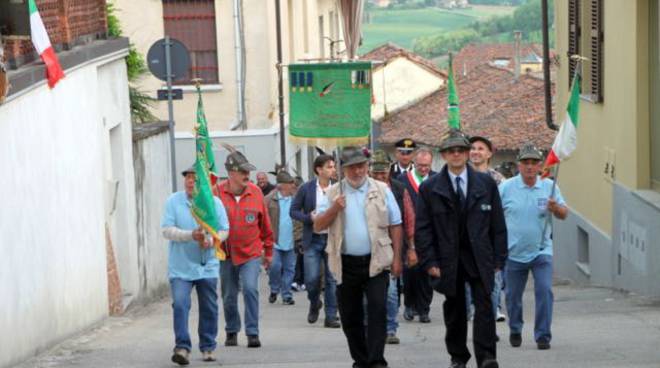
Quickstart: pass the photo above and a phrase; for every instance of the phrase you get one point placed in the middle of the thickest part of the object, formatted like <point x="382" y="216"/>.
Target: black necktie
<point x="459" y="191"/>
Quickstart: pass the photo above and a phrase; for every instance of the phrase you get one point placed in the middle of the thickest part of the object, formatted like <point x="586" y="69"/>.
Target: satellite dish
<point x="179" y="59"/>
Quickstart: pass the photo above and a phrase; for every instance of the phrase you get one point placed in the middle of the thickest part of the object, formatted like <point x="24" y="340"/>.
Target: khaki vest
<point x="378" y="225"/>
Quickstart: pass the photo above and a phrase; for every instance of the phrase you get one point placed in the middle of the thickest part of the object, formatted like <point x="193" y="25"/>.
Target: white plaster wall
<point x="53" y="269"/>
<point x="405" y="82"/>
<point x="152" y="178"/>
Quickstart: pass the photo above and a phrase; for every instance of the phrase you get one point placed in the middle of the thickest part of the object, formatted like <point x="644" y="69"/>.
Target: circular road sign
<point x="179" y="59"/>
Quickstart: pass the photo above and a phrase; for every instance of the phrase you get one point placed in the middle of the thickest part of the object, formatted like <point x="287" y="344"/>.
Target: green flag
<point x="453" y="113"/>
<point x="203" y="133"/>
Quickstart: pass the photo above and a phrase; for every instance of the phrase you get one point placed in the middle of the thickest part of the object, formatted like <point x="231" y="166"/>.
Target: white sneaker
<point x="500" y="316"/>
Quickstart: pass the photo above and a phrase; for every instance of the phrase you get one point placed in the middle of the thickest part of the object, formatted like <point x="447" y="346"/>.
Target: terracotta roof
<point x="476" y="54"/>
<point x="389" y="51"/>
<point x="492" y="104"/>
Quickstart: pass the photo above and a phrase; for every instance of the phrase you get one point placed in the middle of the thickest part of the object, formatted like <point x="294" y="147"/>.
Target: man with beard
<point x="460" y="236"/>
<point x="364" y="244"/>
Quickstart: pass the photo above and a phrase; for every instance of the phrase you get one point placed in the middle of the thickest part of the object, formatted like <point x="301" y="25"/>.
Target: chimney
<point x="516" y="50"/>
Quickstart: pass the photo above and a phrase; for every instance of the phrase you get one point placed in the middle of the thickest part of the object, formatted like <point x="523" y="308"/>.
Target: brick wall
<point x="68" y="22"/>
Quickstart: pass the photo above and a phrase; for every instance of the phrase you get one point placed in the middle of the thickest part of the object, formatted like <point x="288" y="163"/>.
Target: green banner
<point x="330" y="100"/>
<point x="453" y="112"/>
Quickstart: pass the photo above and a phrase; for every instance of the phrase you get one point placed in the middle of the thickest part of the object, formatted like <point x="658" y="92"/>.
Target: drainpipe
<point x="516" y="50"/>
<point x="546" y="67"/>
<point x="240" y="66"/>
<point x="280" y="83"/>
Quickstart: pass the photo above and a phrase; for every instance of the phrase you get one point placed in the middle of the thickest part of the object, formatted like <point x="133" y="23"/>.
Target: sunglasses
<point x="406" y="153"/>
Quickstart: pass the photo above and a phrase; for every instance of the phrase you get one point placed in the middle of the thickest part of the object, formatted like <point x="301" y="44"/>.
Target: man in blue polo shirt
<point x="192" y="263"/>
<point x="528" y="203"/>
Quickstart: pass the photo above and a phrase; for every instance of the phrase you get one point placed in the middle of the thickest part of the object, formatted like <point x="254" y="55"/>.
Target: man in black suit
<point x="417" y="290"/>
<point x="405" y="148"/>
<point x="461" y="237"/>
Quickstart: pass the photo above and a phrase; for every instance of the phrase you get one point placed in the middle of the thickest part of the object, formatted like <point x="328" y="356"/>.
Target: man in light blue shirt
<point x="529" y="202"/>
<point x="283" y="267"/>
<point x="364" y="242"/>
<point x="192" y="263"/>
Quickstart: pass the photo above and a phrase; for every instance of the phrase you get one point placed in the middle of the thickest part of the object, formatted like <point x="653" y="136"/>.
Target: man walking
<point x="283" y="267"/>
<point x="380" y="170"/>
<point x="192" y="263"/>
<point x="304" y="207"/>
<point x="460" y="236"/>
<point x="480" y="154"/>
<point x="404" y="155"/>
<point x="251" y="238"/>
<point x="364" y="242"/>
<point x="264" y="184"/>
<point x="417" y="290"/>
<point x="528" y="203"/>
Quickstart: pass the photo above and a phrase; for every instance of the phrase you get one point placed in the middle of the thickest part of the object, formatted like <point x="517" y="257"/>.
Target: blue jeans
<point x="314" y="255"/>
<point x="282" y="271"/>
<point x="248" y="274"/>
<point x="207" y="296"/>
<point x="495" y="295"/>
<point x="516" y="279"/>
<point x="392" y="306"/>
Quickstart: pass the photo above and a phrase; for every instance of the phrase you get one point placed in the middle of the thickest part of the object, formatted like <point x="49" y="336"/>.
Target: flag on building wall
<point x="43" y="46"/>
<point x="453" y="112"/>
<point x="566" y="139"/>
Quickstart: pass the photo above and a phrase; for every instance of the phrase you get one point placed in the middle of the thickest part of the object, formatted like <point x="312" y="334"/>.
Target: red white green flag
<point x="43" y="46"/>
<point x="566" y="139"/>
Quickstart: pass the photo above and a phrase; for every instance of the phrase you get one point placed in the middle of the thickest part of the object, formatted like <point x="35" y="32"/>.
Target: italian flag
<point x="566" y="139"/>
<point x="41" y="42"/>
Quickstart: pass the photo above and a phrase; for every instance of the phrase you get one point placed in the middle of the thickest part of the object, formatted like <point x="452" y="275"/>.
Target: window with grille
<point x="585" y="38"/>
<point x="193" y="23"/>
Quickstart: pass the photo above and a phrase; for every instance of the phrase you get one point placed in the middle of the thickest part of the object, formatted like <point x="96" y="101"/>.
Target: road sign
<point x="179" y="56"/>
<point x="163" y="94"/>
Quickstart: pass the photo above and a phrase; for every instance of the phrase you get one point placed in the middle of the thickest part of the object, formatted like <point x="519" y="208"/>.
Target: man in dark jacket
<point x="309" y="197"/>
<point x="417" y="290"/>
<point x="460" y="236"/>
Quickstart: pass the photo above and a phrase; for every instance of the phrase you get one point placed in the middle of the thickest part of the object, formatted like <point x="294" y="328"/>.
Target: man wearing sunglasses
<point x="460" y="236"/>
<point x="404" y="156"/>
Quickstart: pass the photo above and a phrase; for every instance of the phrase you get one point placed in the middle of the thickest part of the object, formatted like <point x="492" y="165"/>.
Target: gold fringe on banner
<point x="330" y="143"/>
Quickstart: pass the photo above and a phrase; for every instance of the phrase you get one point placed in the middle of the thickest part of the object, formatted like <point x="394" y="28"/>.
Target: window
<point x="193" y="23"/>
<point x="654" y="93"/>
<point x="585" y="38"/>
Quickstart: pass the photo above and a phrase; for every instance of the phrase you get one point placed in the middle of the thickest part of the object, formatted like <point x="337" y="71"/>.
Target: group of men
<point x="382" y="230"/>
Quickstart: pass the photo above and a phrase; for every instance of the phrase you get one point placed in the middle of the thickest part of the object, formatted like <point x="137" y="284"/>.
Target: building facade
<point x="612" y="182"/>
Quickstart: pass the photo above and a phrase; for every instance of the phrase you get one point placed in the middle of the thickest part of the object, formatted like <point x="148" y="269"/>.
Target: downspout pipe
<point x="238" y="47"/>
<point x="280" y="83"/>
<point x="547" y="83"/>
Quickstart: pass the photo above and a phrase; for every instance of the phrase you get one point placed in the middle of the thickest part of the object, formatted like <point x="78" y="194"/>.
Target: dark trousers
<point x="456" y="321"/>
<point x="367" y="347"/>
<point x="299" y="277"/>
<point x="417" y="291"/>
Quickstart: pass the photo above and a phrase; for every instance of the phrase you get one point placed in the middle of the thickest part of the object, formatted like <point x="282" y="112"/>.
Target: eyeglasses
<point x="406" y="153"/>
<point x="455" y="150"/>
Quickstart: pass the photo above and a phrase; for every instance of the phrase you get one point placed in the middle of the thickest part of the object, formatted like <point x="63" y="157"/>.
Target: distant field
<point x="403" y="26"/>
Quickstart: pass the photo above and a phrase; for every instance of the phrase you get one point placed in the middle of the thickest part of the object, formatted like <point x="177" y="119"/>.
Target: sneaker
<point x="543" y="344"/>
<point x="408" y="314"/>
<point x="180" y="356"/>
<point x="253" y="341"/>
<point x="232" y="339"/>
<point x="295" y="287"/>
<point x="392" y="339"/>
<point x="302" y="287"/>
<point x="500" y="316"/>
<point x="208" y="356"/>
<point x="272" y="298"/>
<point x="331" y="323"/>
<point x="424" y="318"/>
<point x="313" y="314"/>
<point x="288" y="301"/>
<point x="457" y="364"/>
<point x="515" y="339"/>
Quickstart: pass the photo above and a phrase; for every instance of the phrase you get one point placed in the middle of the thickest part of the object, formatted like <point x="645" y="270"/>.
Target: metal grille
<point x="193" y="23"/>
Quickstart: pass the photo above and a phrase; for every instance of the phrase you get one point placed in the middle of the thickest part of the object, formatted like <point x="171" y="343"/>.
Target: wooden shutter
<point x="596" y="55"/>
<point x="573" y="37"/>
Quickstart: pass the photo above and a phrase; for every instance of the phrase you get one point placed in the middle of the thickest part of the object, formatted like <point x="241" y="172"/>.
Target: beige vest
<point x="378" y="226"/>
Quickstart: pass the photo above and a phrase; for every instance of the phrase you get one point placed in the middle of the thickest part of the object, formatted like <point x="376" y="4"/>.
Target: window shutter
<point x="596" y="56"/>
<point x="573" y="37"/>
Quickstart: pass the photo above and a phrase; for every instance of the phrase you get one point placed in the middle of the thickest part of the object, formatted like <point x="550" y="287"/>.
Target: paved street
<point x="592" y="328"/>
